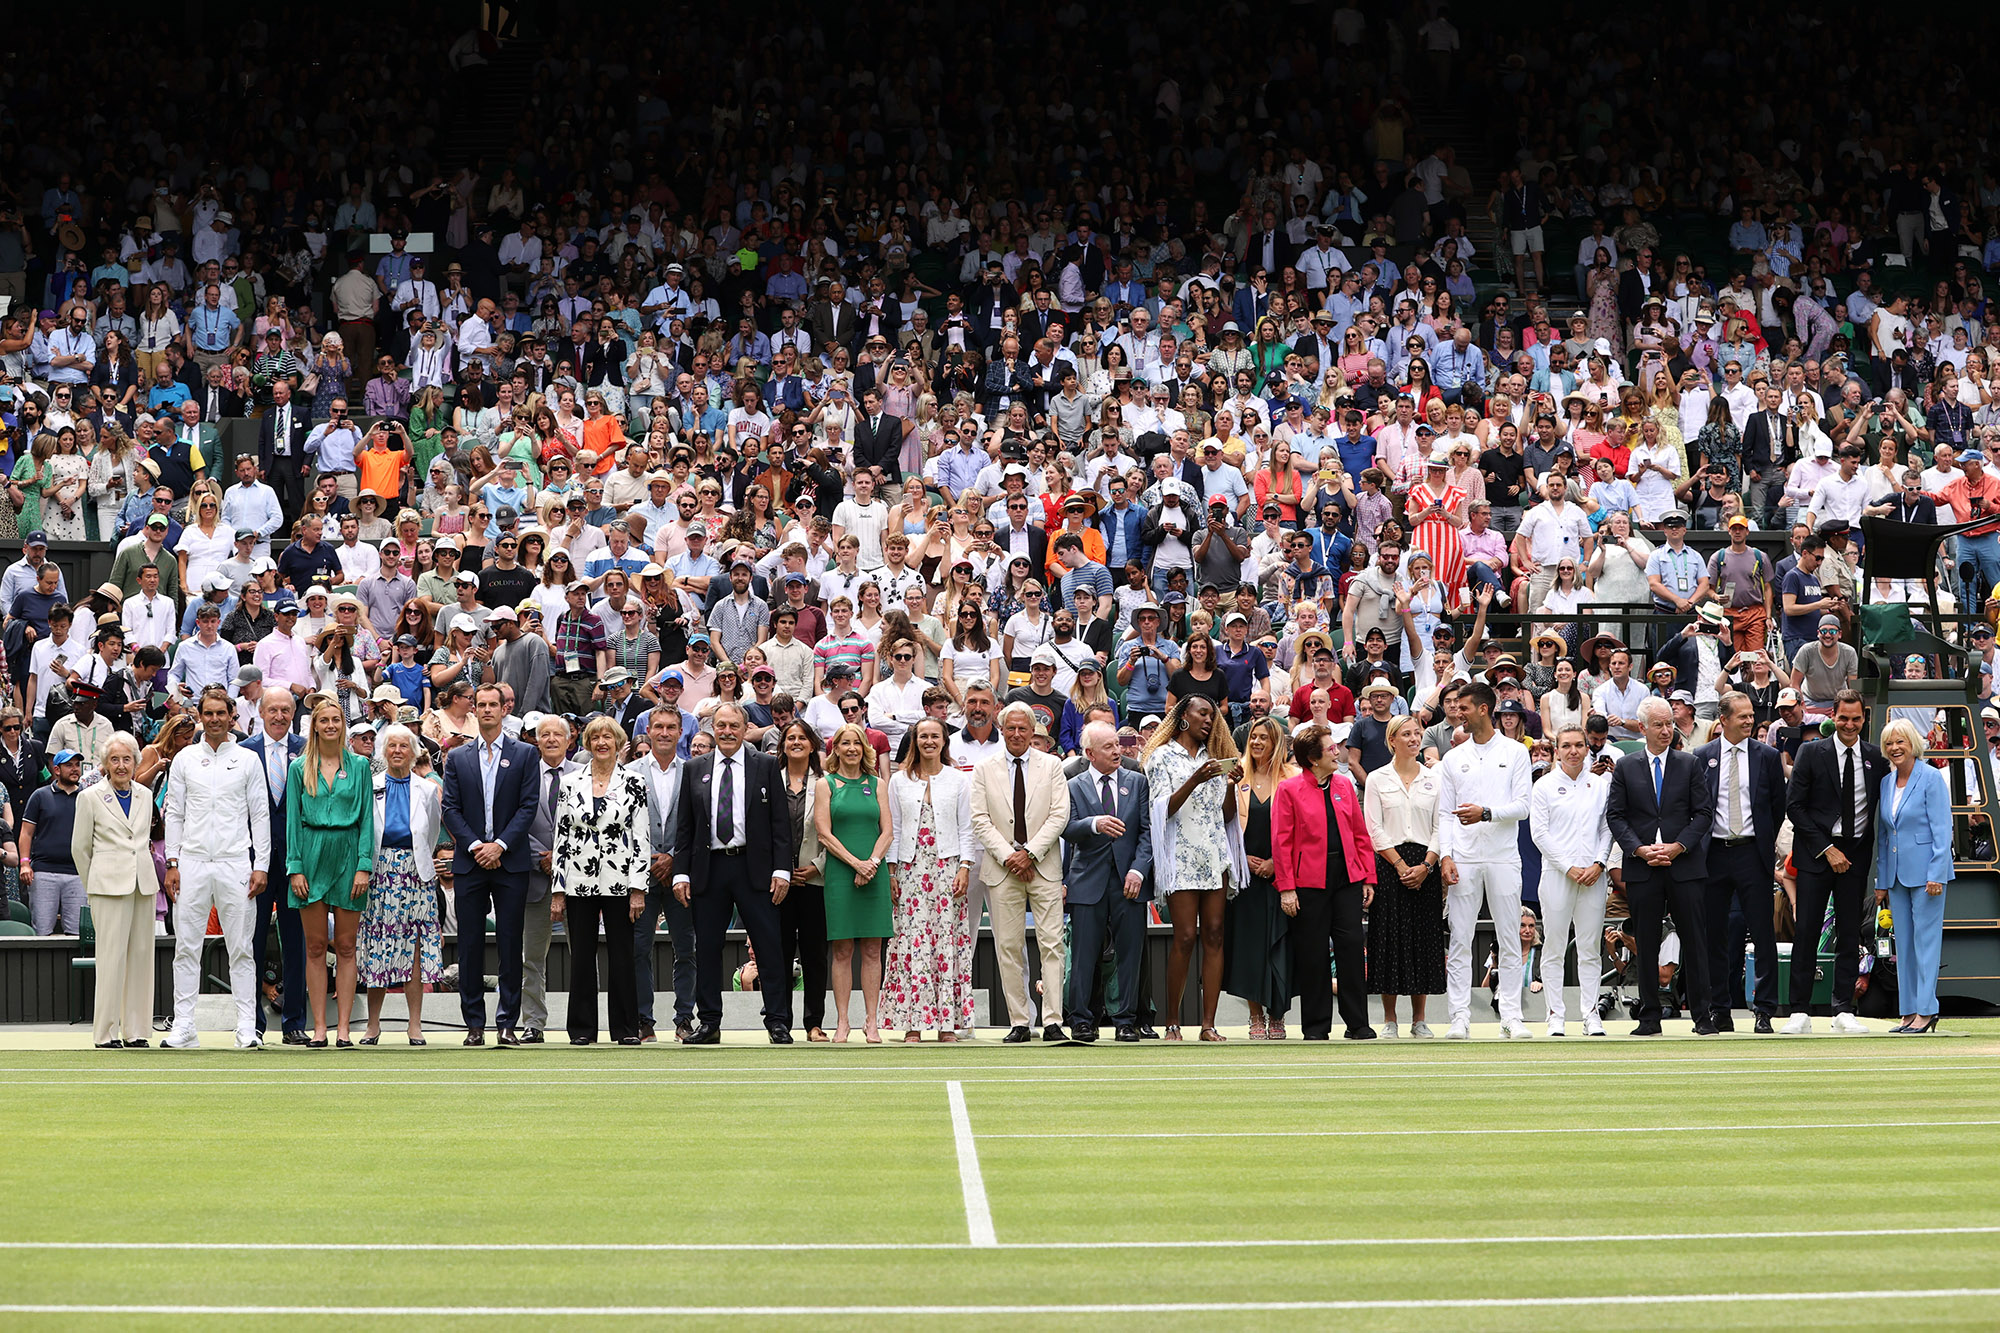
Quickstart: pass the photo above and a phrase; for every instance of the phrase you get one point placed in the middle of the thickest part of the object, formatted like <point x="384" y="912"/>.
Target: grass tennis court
<point x="1251" y="1185"/>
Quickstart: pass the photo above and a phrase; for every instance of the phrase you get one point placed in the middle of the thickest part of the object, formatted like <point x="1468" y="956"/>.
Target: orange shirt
<point x="381" y="471"/>
<point x="605" y="437"/>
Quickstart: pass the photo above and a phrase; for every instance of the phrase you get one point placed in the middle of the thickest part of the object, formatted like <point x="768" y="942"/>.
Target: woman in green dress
<point x="31" y="473"/>
<point x="851" y="810"/>
<point x="329" y="852"/>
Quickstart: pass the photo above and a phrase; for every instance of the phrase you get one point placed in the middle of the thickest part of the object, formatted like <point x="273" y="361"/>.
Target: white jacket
<point x="951" y="803"/>
<point x="426" y="815"/>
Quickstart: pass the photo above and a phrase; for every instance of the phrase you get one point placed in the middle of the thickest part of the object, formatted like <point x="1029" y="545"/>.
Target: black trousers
<point x="505" y="895"/>
<point x="1328" y="933"/>
<point x="1651" y="897"/>
<point x="802" y="935"/>
<point x="621" y="988"/>
<point x="1119" y="922"/>
<point x="1737" y="874"/>
<point x="729" y="890"/>
<point x="1849" y="891"/>
<point x="291" y="952"/>
<point x="288" y="480"/>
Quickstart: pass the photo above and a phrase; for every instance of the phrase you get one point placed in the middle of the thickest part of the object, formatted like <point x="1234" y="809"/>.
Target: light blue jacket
<point x="1913" y="844"/>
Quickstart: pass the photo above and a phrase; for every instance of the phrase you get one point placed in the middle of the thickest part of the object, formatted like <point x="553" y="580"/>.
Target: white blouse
<point x="1399" y="812"/>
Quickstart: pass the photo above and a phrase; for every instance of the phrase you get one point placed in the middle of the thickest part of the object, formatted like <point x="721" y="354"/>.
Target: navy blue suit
<point x="1094" y="870"/>
<point x="502" y="891"/>
<point x="1740" y="874"/>
<point x="291" y="932"/>
<point x="1683" y="813"/>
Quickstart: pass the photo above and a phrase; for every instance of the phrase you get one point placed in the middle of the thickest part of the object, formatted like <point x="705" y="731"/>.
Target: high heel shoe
<point x="1257" y="1029"/>
<point x="1925" y="1026"/>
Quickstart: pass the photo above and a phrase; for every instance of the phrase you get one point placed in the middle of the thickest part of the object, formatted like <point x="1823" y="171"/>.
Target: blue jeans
<point x="1479" y="572"/>
<point x="1984" y="554"/>
<point x="680" y="926"/>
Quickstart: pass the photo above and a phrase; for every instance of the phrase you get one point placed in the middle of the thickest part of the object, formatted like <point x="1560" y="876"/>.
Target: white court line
<point x="1452" y="1133"/>
<point x="978" y="1213"/>
<point x="726" y="1247"/>
<point x="1165" y="1307"/>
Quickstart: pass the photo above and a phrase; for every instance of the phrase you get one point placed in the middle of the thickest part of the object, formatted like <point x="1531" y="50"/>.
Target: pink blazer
<point x="1298" y="833"/>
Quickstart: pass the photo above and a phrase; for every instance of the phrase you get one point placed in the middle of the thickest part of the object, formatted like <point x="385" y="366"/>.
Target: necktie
<point x="1110" y="808"/>
<point x="1846" y="793"/>
<point x="725" y="804"/>
<point x="1020" y="802"/>
<point x="274" y="768"/>
<point x="555" y="775"/>
<point x="1659" y="780"/>
<point x="1735" y="803"/>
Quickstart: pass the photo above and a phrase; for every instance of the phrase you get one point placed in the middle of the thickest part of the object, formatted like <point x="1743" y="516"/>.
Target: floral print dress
<point x="1201" y="843"/>
<point x="927" y="974"/>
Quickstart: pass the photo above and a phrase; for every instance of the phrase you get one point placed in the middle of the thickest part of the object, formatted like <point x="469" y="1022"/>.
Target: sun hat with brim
<point x="1378" y="687"/>
<point x="1550" y="636"/>
<point x="1708" y="613"/>
<point x="1588" y="650"/>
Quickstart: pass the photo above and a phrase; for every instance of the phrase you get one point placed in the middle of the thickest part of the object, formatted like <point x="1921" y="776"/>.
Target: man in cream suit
<point x="1020" y="807"/>
<point x="551" y="737"/>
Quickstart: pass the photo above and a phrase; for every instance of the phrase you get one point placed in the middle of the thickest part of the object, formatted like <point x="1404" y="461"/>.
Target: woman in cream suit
<point x="603" y="850"/>
<point x="112" y="847"/>
<point x="929" y="974"/>
<point x="400" y="943"/>
<point x="1912" y="866"/>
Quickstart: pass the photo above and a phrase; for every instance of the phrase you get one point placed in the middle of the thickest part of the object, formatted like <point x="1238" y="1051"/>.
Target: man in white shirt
<point x="1618" y="698"/>
<point x="865" y="518"/>
<point x="252" y="504"/>
<point x="1566" y="820"/>
<point x="149" y="618"/>
<point x="1843" y="495"/>
<point x="475" y="336"/>
<point x="897" y="702"/>
<point x="1550" y="532"/>
<point x="1483" y="794"/>
<point x="357" y="559"/>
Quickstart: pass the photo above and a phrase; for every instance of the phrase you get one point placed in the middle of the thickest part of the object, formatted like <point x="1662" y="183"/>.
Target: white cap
<point x="1045" y="656"/>
<point x="464" y="622"/>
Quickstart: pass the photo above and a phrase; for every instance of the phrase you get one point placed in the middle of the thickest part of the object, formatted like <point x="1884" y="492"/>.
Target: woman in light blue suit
<point x="1912" y="866"/>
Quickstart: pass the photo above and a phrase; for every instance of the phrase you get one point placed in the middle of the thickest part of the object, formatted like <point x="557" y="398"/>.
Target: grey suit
<point x="1094" y="871"/>
<point x="537" y="927"/>
<point x="660" y="901"/>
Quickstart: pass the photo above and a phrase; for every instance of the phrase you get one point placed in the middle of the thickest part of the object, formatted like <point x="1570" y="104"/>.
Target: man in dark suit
<point x="1768" y="438"/>
<point x="733" y="849"/>
<point x="281" y="448"/>
<point x="1635" y="285"/>
<point x="489" y="806"/>
<point x="878" y="437"/>
<point x="1108" y="853"/>
<point x="1749" y="779"/>
<point x="275" y="748"/>
<point x="832" y="321"/>
<point x="1836" y="783"/>
<point x="216" y="398"/>
<point x="1661" y="806"/>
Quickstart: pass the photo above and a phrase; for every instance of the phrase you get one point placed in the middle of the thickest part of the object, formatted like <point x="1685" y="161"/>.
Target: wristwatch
<point x="173" y="863"/>
<point x="1486" y="814"/>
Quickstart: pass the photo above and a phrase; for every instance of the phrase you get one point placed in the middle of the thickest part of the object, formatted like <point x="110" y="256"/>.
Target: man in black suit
<point x="1749" y="779"/>
<point x="1635" y="285"/>
<point x="1768" y="439"/>
<point x="275" y="747"/>
<point x="1836" y="783"/>
<point x="281" y="448"/>
<point x="217" y="398"/>
<point x="832" y="322"/>
<point x="489" y="806"/>
<point x="1661" y="806"/>
<point x="878" y="437"/>
<point x="732" y="849"/>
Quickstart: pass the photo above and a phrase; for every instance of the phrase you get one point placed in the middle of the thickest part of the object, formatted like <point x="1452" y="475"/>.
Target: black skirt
<point x="1406" y="934"/>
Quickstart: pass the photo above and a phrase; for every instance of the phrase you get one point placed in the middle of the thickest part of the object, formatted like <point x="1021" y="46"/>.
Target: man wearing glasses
<point x="333" y="444"/>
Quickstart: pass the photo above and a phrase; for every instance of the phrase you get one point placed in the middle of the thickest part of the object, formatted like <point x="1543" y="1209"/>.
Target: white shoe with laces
<point x="1556" y="1028"/>
<point x="1847" y="1025"/>
<point x="1800" y="1023"/>
<point x="182" y="1041"/>
<point x="1421" y="1031"/>
<point x="1593" y="1026"/>
<point x="1389" y="1032"/>
<point x="1515" y="1031"/>
<point x="1460" y="1030"/>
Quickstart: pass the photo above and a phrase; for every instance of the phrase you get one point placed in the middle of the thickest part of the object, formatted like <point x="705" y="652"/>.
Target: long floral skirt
<point x="399" y="927"/>
<point x="927" y="976"/>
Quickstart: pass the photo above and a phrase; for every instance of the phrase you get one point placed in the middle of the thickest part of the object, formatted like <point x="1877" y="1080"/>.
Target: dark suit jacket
<point x="293" y="746"/>
<point x="820" y="323"/>
<point x="1767" y="794"/>
<point x="1283" y="252"/>
<point x="1038" y="543"/>
<point x="1684" y="813"/>
<point x="1760" y="451"/>
<point x="513" y="805"/>
<point x="1815" y="796"/>
<point x="228" y="403"/>
<point x="267" y="430"/>
<point x="1095" y="866"/>
<point x="1631" y="293"/>
<point x="879" y="446"/>
<point x="766" y="816"/>
<point x="21" y="776"/>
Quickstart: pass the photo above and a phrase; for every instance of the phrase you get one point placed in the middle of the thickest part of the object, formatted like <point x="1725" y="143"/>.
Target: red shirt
<point x="1339" y="697"/>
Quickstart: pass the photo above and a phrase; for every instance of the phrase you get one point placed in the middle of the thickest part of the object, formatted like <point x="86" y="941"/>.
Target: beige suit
<point x="114" y="859"/>
<point x="1008" y="898"/>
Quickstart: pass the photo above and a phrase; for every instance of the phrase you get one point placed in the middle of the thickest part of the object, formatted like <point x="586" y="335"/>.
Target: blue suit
<point x="1094" y="871"/>
<point x="502" y="891"/>
<point x="291" y="931"/>
<point x="1913" y="848"/>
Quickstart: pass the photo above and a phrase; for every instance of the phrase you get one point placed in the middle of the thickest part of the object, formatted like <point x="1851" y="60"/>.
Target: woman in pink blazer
<point x="1324" y="881"/>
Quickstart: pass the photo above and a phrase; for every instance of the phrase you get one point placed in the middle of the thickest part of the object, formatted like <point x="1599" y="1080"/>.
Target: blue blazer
<point x="1095" y="865"/>
<point x="294" y="746"/>
<point x="1913" y="845"/>
<point x="513" y="805"/>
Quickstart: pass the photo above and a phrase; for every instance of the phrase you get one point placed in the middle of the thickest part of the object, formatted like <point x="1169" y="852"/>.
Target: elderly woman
<point x="603" y="850"/>
<point x="111" y="844"/>
<point x="1325" y="872"/>
<point x="400" y="943"/>
<point x="1912" y="866"/>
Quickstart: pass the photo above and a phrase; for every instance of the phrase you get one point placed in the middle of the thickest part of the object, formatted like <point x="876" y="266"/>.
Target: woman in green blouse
<point x="31" y="471"/>
<point x="329" y="852"/>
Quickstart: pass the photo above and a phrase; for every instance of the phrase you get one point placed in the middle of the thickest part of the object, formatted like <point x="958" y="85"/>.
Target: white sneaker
<point x="1556" y="1028"/>
<point x="1501" y="599"/>
<point x="1847" y="1025"/>
<point x="1593" y="1026"/>
<point x="1460" y="1030"/>
<point x="1421" y="1031"/>
<point x="248" y="1041"/>
<point x="182" y="1041"/>
<point x="1516" y="1031"/>
<point x="1389" y="1032"/>
<point x="1800" y="1023"/>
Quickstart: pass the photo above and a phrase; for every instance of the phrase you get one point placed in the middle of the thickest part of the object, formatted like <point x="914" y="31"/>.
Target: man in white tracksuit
<point x="218" y="829"/>
<point x="1566" y="820"/>
<point x="1482" y="797"/>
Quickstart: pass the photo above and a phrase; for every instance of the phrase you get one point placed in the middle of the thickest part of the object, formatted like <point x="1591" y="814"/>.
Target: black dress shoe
<point x="1647" y="1028"/>
<point x="1764" y="1024"/>
<point x="296" y="1038"/>
<point x="138" y="1045"/>
<point x="1054" y="1032"/>
<point x="110" y="1045"/>
<point x="507" y="1038"/>
<point x="1017" y="1035"/>
<point x="1722" y="1022"/>
<point x="1704" y="1028"/>
<point x="781" y="1036"/>
<point x="1148" y="1033"/>
<point x="1083" y="1034"/>
<point x="703" y="1035"/>
<point x="628" y="1041"/>
<point x="1359" y="1034"/>
<point x="1127" y="1034"/>
<point x="1315" y="1036"/>
<point x="473" y="1037"/>
<point x="533" y="1037"/>
<point x="583" y="1041"/>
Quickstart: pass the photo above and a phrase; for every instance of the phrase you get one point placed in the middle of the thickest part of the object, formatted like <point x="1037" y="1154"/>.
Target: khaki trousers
<point x="1008" y="902"/>
<point x="124" y="924"/>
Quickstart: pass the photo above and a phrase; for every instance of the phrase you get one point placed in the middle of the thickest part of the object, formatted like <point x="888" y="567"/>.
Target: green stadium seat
<point x="85" y="961"/>
<point x="18" y="911"/>
<point x="16" y="928"/>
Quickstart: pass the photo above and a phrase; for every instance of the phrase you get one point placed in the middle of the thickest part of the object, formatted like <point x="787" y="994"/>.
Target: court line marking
<point x="1163" y="1307"/>
<point x="978" y="1213"/>
<point x="1454" y="1133"/>
<point x="725" y="1247"/>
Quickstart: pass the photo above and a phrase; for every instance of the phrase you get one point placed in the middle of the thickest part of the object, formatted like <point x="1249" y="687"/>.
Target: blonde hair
<point x="315" y="753"/>
<point x="841" y="733"/>
<point x="602" y="726"/>
<point x="1907" y="730"/>
<point x="1268" y="726"/>
<point x="1396" y="725"/>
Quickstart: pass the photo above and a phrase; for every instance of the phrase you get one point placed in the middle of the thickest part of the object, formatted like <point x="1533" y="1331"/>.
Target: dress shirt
<point x="277" y="759"/>
<point x="489" y="778"/>
<point x="149" y="622"/>
<point x="1495" y="775"/>
<point x="734" y="766"/>
<point x="335" y="446"/>
<point x="1399" y="812"/>
<point x="1840" y="753"/>
<point x="284" y="660"/>
<point x="255" y="506"/>
<point x="893" y="709"/>
<point x="1566" y="817"/>
<point x="198" y="665"/>
<point x="213" y="794"/>
<point x="1739" y="755"/>
<point x="281" y="429"/>
<point x="665" y="786"/>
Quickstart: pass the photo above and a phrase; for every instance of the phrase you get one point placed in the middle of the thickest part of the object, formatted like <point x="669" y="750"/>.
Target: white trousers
<point x="1565" y="903"/>
<point x="224" y="886"/>
<point x="124" y="924"/>
<point x="1498" y="885"/>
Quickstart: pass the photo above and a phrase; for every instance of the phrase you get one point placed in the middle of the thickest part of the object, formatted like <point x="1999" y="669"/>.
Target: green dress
<point x="330" y="835"/>
<point x="29" y="474"/>
<point x="857" y="911"/>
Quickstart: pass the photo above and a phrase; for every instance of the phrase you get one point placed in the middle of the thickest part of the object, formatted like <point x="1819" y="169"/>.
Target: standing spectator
<point x="112" y="850"/>
<point x="1406" y="941"/>
<point x="928" y="981"/>
<point x="399" y="941"/>
<point x="1325" y="867"/>
<point x="603" y="854"/>
<point x="48" y="863"/>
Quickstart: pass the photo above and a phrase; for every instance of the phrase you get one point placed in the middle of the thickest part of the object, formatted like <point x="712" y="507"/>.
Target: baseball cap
<point x="839" y="669"/>
<point x="697" y="638"/>
<point x="249" y="675"/>
<point x="1786" y="698"/>
<point x="1045" y="656"/>
<point x="502" y="613"/>
<point x="63" y="757"/>
<point x="246" y="535"/>
<point x="461" y="621"/>
<point x="152" y="521"/>
<point x="1738" y="521"/>
<point x="463" y="576"/>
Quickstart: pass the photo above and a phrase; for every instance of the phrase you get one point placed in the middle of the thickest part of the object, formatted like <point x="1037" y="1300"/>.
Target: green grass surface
<point x="808" y="1149"/>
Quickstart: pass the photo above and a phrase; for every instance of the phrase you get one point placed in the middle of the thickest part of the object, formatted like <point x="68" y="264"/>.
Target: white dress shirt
<point x="733" y="765"/>
<point x="150" y="622"/>
<point x="1738" y="755"/>
<point x="1840" y="753"/>
<point x="1496" y="775"/>
<point x="893" y="709"/>
<point x="213" y="796"/>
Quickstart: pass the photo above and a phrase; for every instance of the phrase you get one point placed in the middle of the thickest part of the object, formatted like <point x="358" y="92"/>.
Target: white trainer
<point x="1516" y="1031"/>
<point x="1421" y="1031"/>
<point x="182" y="1041"/>
<point x="248" y="1041"/>
<point x="1389" y="1032"/>
<point x="1593" y="1026"/>
<point x="1847" y="1025"/>
<point x="1800" y="1023"/>
<point x="1556" y="1028"/>
<point x="1460" y="1030"/>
